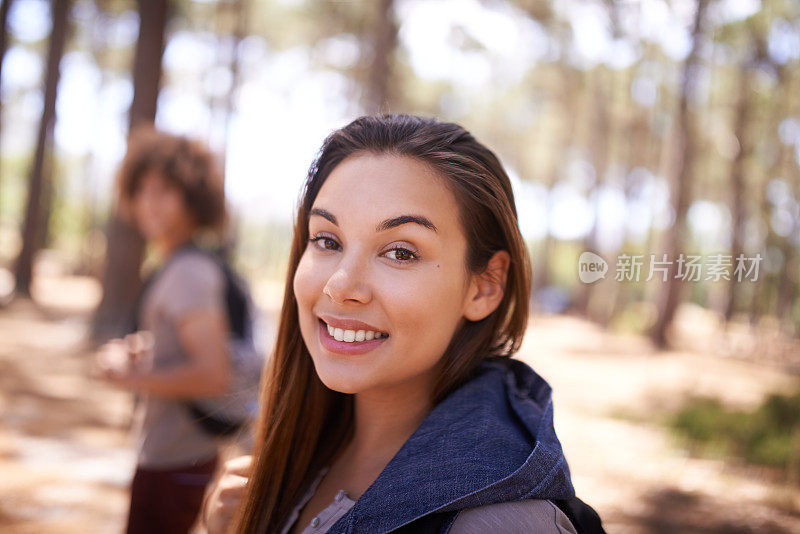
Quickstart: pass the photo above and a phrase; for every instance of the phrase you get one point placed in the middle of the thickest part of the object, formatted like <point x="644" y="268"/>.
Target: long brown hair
<point x="297" y="409"/>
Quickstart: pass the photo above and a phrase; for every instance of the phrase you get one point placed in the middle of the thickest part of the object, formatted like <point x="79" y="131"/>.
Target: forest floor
<point x="66" y="457"/>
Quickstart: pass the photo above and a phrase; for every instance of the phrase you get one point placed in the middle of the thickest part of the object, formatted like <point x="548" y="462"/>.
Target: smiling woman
<point x="391" y="403"/>
<point x="395" y="263"/>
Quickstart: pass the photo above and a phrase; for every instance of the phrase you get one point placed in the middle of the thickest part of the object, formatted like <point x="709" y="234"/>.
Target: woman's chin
<point x="348" y="381"/>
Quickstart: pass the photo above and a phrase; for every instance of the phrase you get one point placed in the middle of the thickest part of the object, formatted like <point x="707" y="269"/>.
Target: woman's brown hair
<point x="297" y="409"/>
<point x="183" y="163"/>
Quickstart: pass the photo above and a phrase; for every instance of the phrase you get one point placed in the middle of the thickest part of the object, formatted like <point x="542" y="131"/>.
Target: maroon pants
<point x="168" y="500"/>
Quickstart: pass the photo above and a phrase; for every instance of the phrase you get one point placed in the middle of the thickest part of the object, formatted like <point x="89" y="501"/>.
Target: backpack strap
<point x="237" y="304"/>
<point x="437" y="523"/>
<point x="138" y="303"/>
<point x="582" y="516"/>
<point x="236" y="294"/>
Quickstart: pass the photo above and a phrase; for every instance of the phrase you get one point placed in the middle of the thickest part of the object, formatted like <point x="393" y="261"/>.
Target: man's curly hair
<point x="182" y="162"/>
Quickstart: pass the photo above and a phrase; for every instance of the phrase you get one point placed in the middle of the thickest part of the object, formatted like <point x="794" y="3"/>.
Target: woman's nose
<point x="348" y="282"/>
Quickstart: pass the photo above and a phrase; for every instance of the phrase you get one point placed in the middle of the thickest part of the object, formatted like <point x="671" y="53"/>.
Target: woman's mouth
<point x="351" y="340"/>
<point x="351" y="336"/>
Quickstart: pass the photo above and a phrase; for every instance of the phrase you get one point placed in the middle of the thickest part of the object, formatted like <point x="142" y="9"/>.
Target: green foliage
<point x="768" y="435"/>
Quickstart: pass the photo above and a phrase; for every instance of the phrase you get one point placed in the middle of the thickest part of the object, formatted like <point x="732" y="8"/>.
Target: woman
<point x="391" y="403"/>
<point x="170" y="189"/>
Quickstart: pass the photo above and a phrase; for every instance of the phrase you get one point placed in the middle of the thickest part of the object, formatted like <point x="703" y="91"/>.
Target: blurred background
<point x="644" y="131"/>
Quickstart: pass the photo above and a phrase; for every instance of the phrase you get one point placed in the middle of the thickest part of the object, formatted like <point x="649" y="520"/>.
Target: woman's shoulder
<point x="194" y="255"/>
<point x="528" y="515"/>
<point x="188" y="282"/>
<point x="193" y="266"/>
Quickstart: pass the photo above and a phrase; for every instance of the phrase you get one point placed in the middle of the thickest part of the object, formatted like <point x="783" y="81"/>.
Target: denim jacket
<point x="490" y="441"/>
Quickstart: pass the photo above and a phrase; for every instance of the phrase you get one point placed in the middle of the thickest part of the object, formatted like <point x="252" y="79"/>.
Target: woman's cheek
<point x="304" y="295"/>
<point x="421" y="305"/>
<point x="303" y="281"/>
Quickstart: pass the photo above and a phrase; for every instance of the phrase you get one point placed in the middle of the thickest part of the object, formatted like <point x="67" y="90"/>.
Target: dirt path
<point x="609" y="394"/>
<point x="64" y="454"/>
<point x="65" y="458"/>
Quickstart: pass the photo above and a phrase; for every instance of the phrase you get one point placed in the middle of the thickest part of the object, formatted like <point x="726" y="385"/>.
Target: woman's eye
<point x="401" y="254"/>
<point x="324" y="242"/>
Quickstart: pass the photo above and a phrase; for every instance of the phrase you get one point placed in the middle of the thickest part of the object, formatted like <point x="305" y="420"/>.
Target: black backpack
<point x="247" y="360"/>
<point x="582" y="516"/>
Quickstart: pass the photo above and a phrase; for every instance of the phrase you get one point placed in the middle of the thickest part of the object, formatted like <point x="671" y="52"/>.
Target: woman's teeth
<point x="350" y="336"/>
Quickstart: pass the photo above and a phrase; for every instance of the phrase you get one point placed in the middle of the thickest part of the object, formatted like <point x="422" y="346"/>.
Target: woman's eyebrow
<point x="405" y="219"/>
<point x="325" y="214"/>
<point x="388" y="224"/>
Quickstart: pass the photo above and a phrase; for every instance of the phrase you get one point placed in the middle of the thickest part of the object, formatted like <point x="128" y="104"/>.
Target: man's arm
<point x="207" y="372"/>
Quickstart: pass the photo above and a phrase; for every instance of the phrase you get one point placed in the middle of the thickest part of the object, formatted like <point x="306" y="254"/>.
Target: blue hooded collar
<point x="491" y="440"/>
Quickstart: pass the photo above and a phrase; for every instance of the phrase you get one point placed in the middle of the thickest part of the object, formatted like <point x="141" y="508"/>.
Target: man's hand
<point x="119" y="360"/>
<point x="224" y="499"/>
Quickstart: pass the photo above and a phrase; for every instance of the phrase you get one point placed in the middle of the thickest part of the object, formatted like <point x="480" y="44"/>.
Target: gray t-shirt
<point x="525" y="516"/>
<point x="167" y="436"/>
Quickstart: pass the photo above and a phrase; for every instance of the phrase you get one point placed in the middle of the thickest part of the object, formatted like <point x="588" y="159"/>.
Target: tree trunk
<point x="125" y="245"/>
<point x="764" y="299"/>
<point x="147" y="62"/>
<point x="675" y="237"/>
<point x="4" y="7"/>
<point x="241" y="11"/>
<point x="35" y="208"/>
<point x="737" y="184"/>
<point x="787" y="279"/>
<point x="384" y="42"/>
<point x="610" y="296"/>
<point x="600" y="145"/>
<point x="571" y="83"/>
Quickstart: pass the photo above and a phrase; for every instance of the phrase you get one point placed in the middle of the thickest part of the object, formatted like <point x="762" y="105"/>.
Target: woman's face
<point x="159" y="209"/>
<point x="382" y="285"/>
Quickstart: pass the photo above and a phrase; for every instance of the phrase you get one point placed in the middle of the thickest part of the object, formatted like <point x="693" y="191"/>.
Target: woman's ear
<point x="486" y="289"/>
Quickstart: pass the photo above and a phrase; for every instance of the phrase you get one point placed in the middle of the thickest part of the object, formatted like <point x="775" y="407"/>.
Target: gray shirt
<point x="526" y="516"/>
<point x="167" y="436"/>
